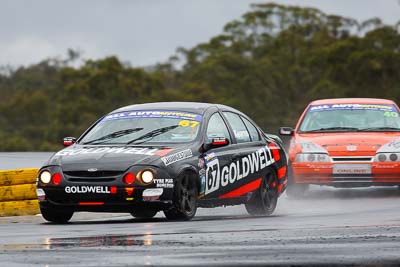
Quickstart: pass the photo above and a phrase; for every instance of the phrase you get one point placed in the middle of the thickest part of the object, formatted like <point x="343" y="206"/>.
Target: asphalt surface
<point x="16" y="160"/>
<point x="356" y="227"/>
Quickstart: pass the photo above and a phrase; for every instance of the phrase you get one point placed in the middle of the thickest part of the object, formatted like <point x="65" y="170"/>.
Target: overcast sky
<point x="141" y="32"/>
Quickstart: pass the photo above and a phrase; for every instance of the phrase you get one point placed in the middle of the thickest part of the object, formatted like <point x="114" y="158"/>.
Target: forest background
<point x="270" y="64"/>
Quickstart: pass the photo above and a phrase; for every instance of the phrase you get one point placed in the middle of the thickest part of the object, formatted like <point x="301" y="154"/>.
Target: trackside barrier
<point x="18" y="192"/>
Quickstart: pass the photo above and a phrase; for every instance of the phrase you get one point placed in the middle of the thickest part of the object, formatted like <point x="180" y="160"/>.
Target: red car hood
<point x="349" y="143"/>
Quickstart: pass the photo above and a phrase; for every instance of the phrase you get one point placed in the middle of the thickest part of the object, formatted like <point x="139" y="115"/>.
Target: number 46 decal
<point x="391" y="114"/>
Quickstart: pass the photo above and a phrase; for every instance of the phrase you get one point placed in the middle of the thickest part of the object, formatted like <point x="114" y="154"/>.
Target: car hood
<point x="79" y="157"/>
<point x="355" y="142"/>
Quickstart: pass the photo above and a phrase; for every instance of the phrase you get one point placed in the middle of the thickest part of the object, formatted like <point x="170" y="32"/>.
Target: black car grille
<point x="97" y="176"/>
<point x="93" y="174"/>
<point x="368" y="159"/>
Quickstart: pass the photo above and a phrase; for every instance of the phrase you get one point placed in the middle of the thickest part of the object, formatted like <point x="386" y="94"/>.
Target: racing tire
<point x="265" y="199"/>
<point x="144" y="213"/>
<point x="56" y="216"/>
<point x="184" y="205"/>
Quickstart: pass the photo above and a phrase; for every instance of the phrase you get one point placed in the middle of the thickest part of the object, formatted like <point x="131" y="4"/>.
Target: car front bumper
<point x="106" y="199"/>
<point x="347" y="174"/>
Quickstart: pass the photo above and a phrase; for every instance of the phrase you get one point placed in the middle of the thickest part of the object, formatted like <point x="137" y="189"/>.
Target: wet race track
<point x="330" y="226"/>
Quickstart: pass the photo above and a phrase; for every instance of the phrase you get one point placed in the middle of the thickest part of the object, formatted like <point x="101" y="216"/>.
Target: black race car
<point x="171" y="157"/>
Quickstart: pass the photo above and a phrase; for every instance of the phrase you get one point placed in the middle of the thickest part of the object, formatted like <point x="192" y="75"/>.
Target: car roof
<point x="352" y="101"/>
<point x="195" y="107"/>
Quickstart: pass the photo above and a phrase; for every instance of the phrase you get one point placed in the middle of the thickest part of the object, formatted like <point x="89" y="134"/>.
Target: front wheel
<point x="144" y="213"/>
<point x="56" y="216"/>
<point x="184" y="200"/>
<point x="264" y="200"/>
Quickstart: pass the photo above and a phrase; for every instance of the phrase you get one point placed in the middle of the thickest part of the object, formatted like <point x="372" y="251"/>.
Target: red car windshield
<point x="351" y="117"/>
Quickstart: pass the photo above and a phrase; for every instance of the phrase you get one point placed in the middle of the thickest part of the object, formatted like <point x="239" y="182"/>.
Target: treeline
<point x="269" y="64"/>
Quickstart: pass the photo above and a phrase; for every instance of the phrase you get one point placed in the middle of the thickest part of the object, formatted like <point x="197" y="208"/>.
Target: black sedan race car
<point x="172" y="157"/>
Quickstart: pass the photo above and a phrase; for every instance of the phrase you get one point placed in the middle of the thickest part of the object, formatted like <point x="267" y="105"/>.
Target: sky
<point x="138" y="32"/>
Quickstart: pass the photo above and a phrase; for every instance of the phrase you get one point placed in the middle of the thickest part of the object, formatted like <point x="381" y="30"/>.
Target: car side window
<point x="238" y="127"/>
<point x="252" y="130"/>
<point x="217" y="127"/>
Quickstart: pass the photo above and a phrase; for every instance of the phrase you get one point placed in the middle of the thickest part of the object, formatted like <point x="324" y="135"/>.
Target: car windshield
<point x="351" y="117"/>
<point x="149" y="126"/>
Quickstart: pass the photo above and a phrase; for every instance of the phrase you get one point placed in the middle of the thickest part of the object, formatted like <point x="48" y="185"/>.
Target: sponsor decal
<point x="241" y="135"/>
<point x="217" y="177"/>
<point x="209" y="157"/>
<point x="153" y="114"/>
<point x="385" y="108"/>
<point x="87" y="189"/>
<point x="351" y="169"/>
<point x="173" y="158"/>
<point x="201" y="164"/>
<point x="111" y="150"/>
<point x="351" y="148"/>
<point x="202" y="175"/>
<point x="152" y="194"/>
<point x="164" y="183"/>
<point x="316" y="167"/>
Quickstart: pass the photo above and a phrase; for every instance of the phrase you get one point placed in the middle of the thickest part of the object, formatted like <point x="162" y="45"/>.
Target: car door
<point x="251" y="156"/>
<point x="215" y="159"/>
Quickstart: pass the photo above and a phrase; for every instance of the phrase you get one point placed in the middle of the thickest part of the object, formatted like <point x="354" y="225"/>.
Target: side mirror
<point x="286" y="131"/>
<point x="216" y="142"/>
<point x="68" y="141"/>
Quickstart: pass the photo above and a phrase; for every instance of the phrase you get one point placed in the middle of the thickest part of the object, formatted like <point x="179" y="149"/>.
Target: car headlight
<point x="387" y="157"/>
<point x="312" y="157"/>
<point x="147" y="176"/>
<point x="45" y="177"/>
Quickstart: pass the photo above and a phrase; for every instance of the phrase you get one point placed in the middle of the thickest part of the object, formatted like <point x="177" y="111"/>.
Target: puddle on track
<point x="91" y="242"/>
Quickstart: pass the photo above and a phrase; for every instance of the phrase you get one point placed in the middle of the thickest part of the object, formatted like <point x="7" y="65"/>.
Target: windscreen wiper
<point x="381" y="129"/>
<point x="113" y="135"/>
<point x="153" y="133"/>
<point x="338" y="128"/>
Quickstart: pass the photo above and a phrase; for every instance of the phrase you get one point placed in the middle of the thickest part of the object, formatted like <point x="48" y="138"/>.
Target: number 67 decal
<point x="186" y="123"/>
<point x="212" y="176"/>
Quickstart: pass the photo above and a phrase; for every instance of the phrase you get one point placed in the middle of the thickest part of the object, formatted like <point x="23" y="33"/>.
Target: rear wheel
<point x="185" y="198"/>
<point x="56" y="216"/>
<point x="264" y="200"/>
<point x="144" y="213"/>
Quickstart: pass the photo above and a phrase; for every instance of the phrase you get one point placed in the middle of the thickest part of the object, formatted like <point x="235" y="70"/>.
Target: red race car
<point x="348" y="142"/>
